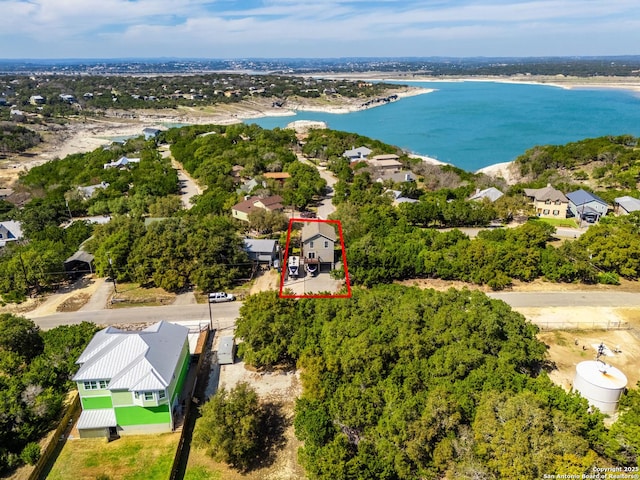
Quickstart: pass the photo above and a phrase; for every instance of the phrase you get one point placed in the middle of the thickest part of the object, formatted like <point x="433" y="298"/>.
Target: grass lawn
<point x="559" y="222"/>
<point x="133" y="295"/>
<point x="140" y="457"/>
<point x="202" y="467"/>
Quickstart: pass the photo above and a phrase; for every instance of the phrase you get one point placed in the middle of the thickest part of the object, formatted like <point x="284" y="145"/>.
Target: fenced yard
<point x="140" y="457"/>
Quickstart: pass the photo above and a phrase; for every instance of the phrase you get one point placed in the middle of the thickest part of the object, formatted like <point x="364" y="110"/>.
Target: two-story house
<point x="130" y="381"/>
<point x="587" y="206"/>
<point x="242" y="210"/>
<point x="318" y="246"/>
<point x="548" y="202"/>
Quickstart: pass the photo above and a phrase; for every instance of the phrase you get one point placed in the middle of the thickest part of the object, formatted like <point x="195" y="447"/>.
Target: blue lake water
<point x="475" y="124"/>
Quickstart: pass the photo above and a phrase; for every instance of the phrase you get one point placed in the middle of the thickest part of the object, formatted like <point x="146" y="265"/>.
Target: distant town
<point x="628" y="65"/>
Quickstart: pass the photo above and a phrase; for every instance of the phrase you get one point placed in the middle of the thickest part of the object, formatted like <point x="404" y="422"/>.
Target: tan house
<point x="318" y="244"/>
<point x="279" y="177"/>
<point x="386" y="163"/>
<point x="548" y="202"/>
<point x="242" y="210"/>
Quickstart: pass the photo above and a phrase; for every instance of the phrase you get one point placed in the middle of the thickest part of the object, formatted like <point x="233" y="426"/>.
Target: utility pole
<point x="113" y="277"/>
<point x="66" y="202"/>
<point x="210" y="317"/>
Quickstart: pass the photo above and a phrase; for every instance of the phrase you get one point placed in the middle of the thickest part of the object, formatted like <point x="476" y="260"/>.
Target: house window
<point x="556" y="212"/>
<point x="557" y="202"/>
<point x="92" y="385"/>
<point x="545" y="212"/>
<point x="311" y="244"/>
<point x="312" y="255"/>
<point x="326" y="244"/>
<point x="547" y="202"/>
<point x="136" y="395"/>
<point x="162" y="394"/>
<point x="148" y="395"/>
<point x="103" y="383"/>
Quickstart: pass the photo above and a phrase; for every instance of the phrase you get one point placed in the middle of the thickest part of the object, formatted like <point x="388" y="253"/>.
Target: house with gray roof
<point x="492" y="194"/>
<point x="10" y="231"/>
<point x="396" y="177"/>
<point x="150" y="133"/>
<point x="130" y="381"/>
<point x="263" y="251"/>
<point x="318" y="244"/>
<point x="625" y="205"/>
<point x="587" y="206"/>
<point x="88" y="191"/>
<point x="355" y="154"/>
<point x="122" y="162"/>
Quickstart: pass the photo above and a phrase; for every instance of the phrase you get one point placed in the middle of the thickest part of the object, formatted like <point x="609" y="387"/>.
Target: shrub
<point x="609" y="278"/>
<point x="30" y="453"/>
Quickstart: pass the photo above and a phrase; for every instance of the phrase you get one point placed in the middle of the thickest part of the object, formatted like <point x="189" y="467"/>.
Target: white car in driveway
<point x="218" y="297"/>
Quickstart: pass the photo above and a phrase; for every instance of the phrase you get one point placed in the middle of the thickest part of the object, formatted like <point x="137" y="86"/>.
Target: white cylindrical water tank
<point x="600" y="384"/>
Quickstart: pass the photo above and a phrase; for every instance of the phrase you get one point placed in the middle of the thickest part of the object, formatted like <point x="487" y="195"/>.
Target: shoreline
<point x="631" y="84"/>
<point x="83" y="137"/>
<point x="77" y="137"/>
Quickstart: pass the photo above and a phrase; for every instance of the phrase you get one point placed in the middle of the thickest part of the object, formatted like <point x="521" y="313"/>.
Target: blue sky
<point x="317" y="28"/>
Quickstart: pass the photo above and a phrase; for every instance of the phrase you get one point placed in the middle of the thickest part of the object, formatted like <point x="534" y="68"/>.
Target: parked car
<point x="218" y="297"/>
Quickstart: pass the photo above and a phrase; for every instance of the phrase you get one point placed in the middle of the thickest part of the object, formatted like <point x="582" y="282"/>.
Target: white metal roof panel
<point x="133" y="360"/>
<point x="98" y="418"/>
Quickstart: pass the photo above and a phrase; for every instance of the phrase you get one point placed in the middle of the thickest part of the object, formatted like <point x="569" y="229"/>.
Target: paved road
<point x="188" y="186"/>
<point x="568" y="299"/>
<point x="566" y="232"/>
<point x="223" y="314"/>
<point x="325" y="207"/>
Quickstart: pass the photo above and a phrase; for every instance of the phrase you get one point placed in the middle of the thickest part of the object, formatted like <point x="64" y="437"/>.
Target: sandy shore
<point x="429" y="160"/>
<point x="560" y="81"/>
<point x="504" y="170"/>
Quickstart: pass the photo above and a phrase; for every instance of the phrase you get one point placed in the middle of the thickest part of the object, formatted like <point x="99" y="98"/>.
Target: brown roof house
<point x="279" y="177"/>
<point x="318" y="246"/>
<point x="242" y="210"/>
<point x="548" y="202"/>
<point x="386" y="163"/>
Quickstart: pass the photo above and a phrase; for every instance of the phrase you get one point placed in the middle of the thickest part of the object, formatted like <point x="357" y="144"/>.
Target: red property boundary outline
<point x="286" y="258"/>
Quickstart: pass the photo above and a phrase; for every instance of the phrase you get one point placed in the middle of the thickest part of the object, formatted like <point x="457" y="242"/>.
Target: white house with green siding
<point x="130" y="382"/>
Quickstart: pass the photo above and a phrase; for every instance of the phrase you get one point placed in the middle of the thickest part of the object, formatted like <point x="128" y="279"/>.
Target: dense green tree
<point x="229" y="427"/>
<point x="35" y="372"/>
<point x="402" y="383"/>
<point x="20" y="336"/>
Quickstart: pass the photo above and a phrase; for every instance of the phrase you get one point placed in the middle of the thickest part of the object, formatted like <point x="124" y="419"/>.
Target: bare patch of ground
<point x="276" y="390"/>
<point x="74" y="303"/>
<point x="264" y="281"/>
<point x="519" y="286"/>
<point x="576" y="318"/>
<point x="568" y="348"/>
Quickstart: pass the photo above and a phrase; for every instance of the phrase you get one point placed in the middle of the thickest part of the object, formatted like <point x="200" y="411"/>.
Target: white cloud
<point x="292" y="27"/>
